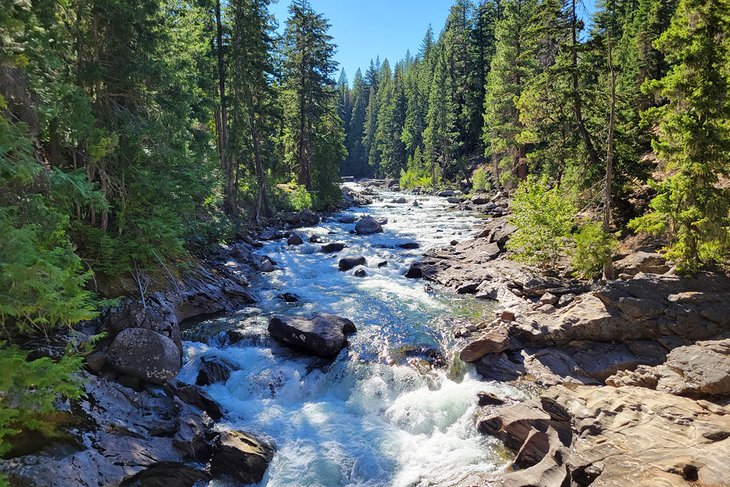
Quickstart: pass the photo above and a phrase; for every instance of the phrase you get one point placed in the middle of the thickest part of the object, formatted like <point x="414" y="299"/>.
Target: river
<point x="378" y="415"/>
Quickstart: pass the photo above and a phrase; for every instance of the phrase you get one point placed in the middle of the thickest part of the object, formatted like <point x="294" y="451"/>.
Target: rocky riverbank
<point x="635" y="372"/>
<point x="137" y="425"/>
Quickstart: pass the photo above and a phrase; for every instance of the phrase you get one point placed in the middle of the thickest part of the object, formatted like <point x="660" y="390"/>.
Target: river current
<point x="378" y="415"/>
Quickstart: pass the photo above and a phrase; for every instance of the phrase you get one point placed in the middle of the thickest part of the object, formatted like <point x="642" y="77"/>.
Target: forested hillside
<point x="524" y="87"/>
<point x="134" y="132"/>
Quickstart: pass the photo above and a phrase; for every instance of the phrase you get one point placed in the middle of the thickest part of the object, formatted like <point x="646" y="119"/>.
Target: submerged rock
<point x="322" y="334"/>
<point x="351" y="262"/>
<point x="368" y="226"/>
<point x="294" y="239"/>
<point x="333" y="247"/>
<point x="213" y="370"/>
<point x="240" y="456"/>
<point x="414" y="272"/>
<point x="289" y="297"/>
<point x="144" y="354"/>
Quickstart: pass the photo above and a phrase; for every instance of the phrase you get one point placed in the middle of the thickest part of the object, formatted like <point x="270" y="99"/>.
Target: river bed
<point x="378" y="415"/>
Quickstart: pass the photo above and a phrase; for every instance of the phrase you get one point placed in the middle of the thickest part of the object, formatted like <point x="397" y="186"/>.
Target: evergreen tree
<point x="482" y="43"/>
<point x="693" y="136"/>
<point x="356" y="162"/>
<point x="344" y="100"/>
<point x="511" y="68"/>
<point x="456" y="42"/>
<point x="441" y="135"/>
<point x="307" y="86"/>
<point x="391" y="118"/>
<point x="252" y="97"/>
<point x="548" y="123"/>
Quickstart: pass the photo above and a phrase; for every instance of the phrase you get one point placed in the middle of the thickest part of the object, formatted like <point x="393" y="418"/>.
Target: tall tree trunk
<point x="262" y="200"/>
<point x="230" y="203"/>
<point x="577" y="103"/>
<point x="608" y="271"/>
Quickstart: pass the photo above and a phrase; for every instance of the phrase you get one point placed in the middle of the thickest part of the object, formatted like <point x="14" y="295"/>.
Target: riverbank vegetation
<point x="599" y="108"/>
<point x="132" y="133"/>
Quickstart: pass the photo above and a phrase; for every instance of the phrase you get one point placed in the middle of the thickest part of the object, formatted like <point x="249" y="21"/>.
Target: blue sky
<point x="366" y="29"/>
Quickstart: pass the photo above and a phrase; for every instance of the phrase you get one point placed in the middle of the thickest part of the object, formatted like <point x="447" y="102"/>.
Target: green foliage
<point x="41" y="278"/>
<point x="544" y="220"/>
<point x="691" y="208"/>
<point x="480" y="180"/>
<point x="511" y="67"/>
<point x="308" y="94"/>
<point x="30" y="389"/>
<point x="592" y="246"/>
<point x="299" y="198"/>
<point x="413" y="179"/>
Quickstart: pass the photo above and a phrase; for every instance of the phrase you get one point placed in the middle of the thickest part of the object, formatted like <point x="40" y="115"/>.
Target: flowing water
<point x="378" y="415"/>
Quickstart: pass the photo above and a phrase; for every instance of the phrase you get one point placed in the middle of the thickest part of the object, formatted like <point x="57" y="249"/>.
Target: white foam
<point x="358" y="421"/>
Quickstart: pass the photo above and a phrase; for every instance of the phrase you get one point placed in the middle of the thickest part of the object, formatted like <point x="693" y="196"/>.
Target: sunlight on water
<point x="369" y="418"/>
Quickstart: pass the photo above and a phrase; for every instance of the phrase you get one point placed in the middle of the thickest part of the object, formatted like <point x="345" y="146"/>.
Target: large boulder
<point x="167" y="474"/>
<point x="322" y="334"/>
<point x="144" y="354"/>
<point x="157" y="315"/>
<point x="240" y="456"/>
<point x="368" y="226"/>
<point x="294" y="239"/>
<point x="304" y="218"/>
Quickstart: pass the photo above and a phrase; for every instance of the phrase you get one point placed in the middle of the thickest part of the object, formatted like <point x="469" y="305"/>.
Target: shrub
<point x="300" y="199"/>
<point x="507" y="179"/>
<point x="544" y="219"/>
<point x="592" y="246"/>
<point x="413" y="178"/>
<point x="480" y="180"/>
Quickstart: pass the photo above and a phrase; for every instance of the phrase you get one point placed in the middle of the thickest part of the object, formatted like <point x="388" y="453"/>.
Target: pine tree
<point x="482" y="45"/>
<point x="693" y="136"/>
<point x="356" y="162"/>
<point x="344" y="100"/>
<point x="511" y="68"/>
<point x="548" y="123"/>
<point x="441" y="135"/>
<point x="307" y="85"/>
<point x="391" y="118"/>
<point x="456" y="43"/>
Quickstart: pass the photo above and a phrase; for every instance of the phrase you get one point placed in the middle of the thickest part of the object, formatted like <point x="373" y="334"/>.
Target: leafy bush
<point x="413" y="178"/>
<point x="300" y="199"/>
<point x="480" y="180"/>
<point x="592" y="247"/>
<point x="544" y="219"/>
<point x="507" y="179"/>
